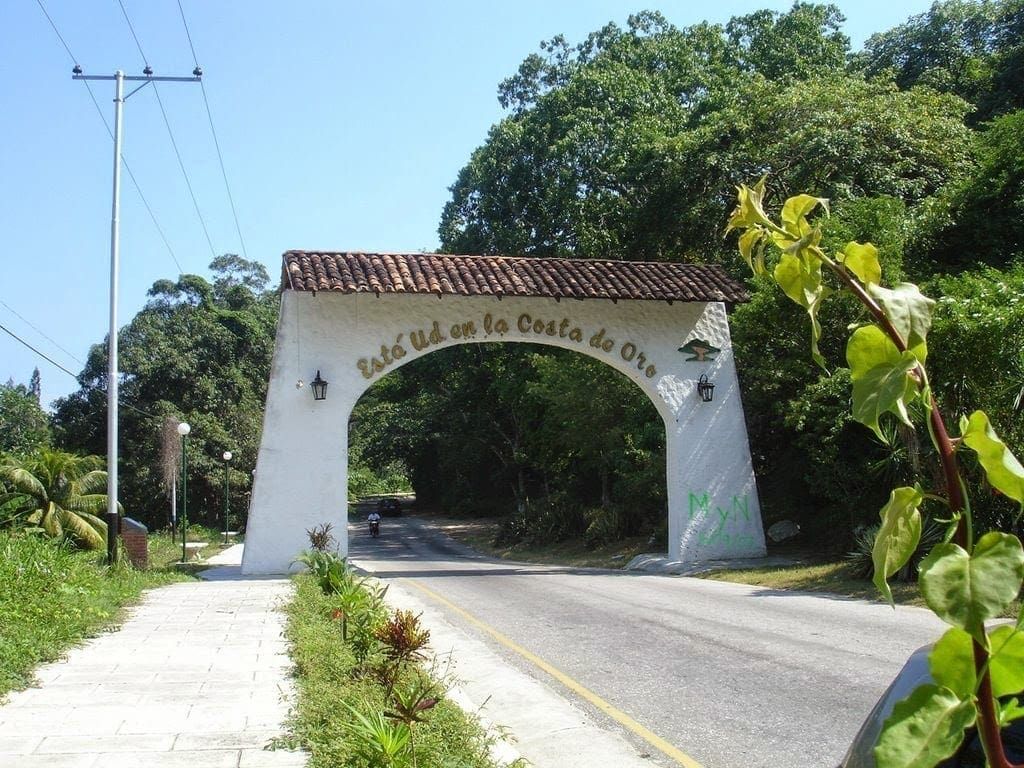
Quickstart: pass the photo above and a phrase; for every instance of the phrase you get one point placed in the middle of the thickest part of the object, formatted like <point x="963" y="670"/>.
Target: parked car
<point x="914" y="673"/>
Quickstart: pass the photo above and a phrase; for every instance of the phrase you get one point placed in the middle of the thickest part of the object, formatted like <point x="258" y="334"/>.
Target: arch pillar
<point x="354" y="339"/>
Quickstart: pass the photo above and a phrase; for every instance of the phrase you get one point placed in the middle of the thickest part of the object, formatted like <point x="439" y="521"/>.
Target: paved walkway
<point x="197" y="676"/>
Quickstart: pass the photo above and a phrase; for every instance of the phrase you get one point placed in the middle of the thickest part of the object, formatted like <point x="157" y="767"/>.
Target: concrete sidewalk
<point x="197" y="676"/>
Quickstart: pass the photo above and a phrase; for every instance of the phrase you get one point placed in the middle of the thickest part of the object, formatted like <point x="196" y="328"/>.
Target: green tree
<point x="629" y="145"/>
<point x="59" y="492"/>
<point x="972" y="49"/>
<point x="801" y="43"/>
<point x="197" y="352"/>
<point x="979" y="361"/>
<point x="979" y="218"/>
<point x="24" y="426"/>
<point x="519" y="428"/>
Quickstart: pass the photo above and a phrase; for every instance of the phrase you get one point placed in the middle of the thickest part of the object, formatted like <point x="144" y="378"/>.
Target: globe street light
<point x="227" y="458"/>
<point x="183" y="430"/>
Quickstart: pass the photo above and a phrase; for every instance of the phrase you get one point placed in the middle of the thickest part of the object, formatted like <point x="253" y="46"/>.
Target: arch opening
<point x="555" y="444"/>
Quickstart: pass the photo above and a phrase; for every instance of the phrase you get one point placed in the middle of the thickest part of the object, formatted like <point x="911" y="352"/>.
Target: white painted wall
<point x="355" y="339"/>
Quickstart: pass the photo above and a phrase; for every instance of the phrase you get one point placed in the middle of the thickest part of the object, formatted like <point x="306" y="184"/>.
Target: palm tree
<point x="60" y="492"/>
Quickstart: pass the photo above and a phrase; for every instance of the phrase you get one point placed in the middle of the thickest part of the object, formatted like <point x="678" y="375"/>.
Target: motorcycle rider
<point x="374" y="520"/>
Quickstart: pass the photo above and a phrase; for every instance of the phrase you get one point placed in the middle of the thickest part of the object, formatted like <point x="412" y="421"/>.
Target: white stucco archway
<point x="353" y="338"/>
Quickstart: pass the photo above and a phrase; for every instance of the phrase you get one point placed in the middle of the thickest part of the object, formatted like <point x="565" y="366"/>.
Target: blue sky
<point x="342" y="125"/>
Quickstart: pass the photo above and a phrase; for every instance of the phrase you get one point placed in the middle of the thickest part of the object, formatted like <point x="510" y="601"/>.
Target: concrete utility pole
<point x="119" y="79"/>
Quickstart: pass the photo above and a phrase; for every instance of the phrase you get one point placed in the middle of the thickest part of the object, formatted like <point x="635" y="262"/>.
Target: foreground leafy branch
<point x="978" y="675"/>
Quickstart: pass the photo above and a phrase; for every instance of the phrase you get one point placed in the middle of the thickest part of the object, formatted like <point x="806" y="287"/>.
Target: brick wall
<point x="133" y="534"/>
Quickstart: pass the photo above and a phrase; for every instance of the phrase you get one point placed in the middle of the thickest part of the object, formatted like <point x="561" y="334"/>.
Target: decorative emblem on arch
<point x="702" y="351"/>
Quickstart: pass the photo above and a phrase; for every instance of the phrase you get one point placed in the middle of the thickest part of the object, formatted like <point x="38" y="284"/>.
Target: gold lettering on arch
<point x="496" y="329"/>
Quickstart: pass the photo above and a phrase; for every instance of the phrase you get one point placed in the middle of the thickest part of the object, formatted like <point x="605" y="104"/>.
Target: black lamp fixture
<point x="319" y="387"/>
<point x="705" y="388"/>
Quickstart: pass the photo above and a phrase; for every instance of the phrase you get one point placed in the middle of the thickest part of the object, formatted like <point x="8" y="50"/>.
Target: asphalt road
<point x="734" y="676"/>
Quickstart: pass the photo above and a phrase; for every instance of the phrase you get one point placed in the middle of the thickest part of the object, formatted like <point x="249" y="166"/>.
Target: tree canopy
<point x="630" y="144"/>
<point x="972" y="49"/>
<point x="197" y="352"/>
<point x="24" y="426"/>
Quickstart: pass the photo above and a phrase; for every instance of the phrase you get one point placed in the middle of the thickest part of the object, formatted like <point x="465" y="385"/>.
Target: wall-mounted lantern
<point x="319" y="387"/>
<point x="705" y="389"/>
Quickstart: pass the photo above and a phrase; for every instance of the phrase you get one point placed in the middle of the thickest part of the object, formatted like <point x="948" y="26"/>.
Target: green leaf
<point x="881" y="377"/>
<point x="952" y="662"/>
<point x="1010" y="711"/>
<point x="898" y="537"/>
<point x="868" y="348"/>
<point x="908" y="310"/>
<point x="965" y="590"/>
<point x="800" y="279"/>
<point x="1002" y="469"/>
<point x="749" y="209"/>
<point x="924" y="728"/>
<point x="752" y="247"/>
<point x="884" y="389"/>
<point x="1006" y="664"/>
<point x="862" y="260"/>
<point x="795" y="210"/>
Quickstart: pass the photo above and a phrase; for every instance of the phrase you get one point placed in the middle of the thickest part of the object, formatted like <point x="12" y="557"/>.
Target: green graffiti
<point x="699" y="504"/>
<point x="730" y="521"/>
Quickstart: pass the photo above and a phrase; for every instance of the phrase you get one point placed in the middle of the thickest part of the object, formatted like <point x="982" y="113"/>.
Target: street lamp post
<point x="183" y="430"/>
<point x="227" y="458"/>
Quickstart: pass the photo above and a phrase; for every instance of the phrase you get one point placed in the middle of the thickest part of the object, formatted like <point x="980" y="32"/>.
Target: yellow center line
<point x="621" y="717"/>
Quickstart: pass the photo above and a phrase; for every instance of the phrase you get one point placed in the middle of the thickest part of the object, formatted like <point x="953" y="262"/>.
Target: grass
<point x="52" y="596"/>
<point x="329" y="679"/>
<point x="832" y="577"/>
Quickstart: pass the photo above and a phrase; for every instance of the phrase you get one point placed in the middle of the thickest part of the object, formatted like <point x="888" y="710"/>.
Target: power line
<point x="57" y="32"/>
<point x="41" y="354"/>
<point x="132" y="30"/>
<point x="213" y="130"/>
<point x="30" y="325"/>
<point x="170" y="133"/>
<point x="65" y="370"/>
<point x="110" y="133"/>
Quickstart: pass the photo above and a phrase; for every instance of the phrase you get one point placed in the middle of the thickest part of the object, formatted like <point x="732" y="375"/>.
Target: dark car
<point x="914" y="673"/>
<point x="389" y="507"/>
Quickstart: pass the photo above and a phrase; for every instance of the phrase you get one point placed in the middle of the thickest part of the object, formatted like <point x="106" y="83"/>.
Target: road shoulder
<point x="542" y="726"/>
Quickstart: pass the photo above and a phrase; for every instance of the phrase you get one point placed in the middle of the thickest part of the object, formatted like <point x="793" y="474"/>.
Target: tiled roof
<point x="507" y="276"/>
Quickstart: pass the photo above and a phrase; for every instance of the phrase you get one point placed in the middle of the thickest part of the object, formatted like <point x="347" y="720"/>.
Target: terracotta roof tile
<point x="507" y="276"/>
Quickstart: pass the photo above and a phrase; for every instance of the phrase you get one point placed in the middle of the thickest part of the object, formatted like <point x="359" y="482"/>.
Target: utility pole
<point x="119" y="79"/>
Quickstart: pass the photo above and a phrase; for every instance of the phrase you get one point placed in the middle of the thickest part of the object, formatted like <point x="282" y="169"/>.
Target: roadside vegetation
<point x="55" y="586"/>
<point x="53" y="595"/>
<point x="366" y="696"/>
<point x="834" y="578"/>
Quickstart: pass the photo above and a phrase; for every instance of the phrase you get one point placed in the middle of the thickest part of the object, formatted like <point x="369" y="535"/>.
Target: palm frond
<point x="82" y="530"/>
<point x="24" y="481"/>
<point x="91" y="482"/>
<point x="51" y="522"/>
<point x="95" y="503"/>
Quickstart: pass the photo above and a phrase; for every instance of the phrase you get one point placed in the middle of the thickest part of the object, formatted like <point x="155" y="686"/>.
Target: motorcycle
<point x="375" y="528"/>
